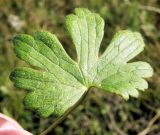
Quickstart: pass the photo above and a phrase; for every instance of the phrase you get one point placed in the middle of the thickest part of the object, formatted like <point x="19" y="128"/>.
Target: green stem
<point x="60" y="119"/>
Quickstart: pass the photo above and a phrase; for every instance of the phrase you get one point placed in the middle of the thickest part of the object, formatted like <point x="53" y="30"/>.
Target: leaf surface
<point x="60" y="81"/>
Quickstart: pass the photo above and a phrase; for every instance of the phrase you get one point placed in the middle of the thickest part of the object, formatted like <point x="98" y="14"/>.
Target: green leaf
<point x="86" y="31"/>
<point x="59" y="82"/>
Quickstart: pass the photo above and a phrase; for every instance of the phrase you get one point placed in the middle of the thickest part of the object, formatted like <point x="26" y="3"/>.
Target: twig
<point x="150" y="124"/>
<point x="114" y="125"/>
<point x="149" y="8"/>
<point x="60" y="119"/>
<point x="146" y="7"/>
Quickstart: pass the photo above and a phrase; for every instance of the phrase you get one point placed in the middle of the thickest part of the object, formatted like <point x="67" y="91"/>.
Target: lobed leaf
<point x="61" y="82"/>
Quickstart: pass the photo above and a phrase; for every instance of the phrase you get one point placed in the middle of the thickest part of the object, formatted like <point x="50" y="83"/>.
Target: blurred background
<point x="101" y="113"/>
